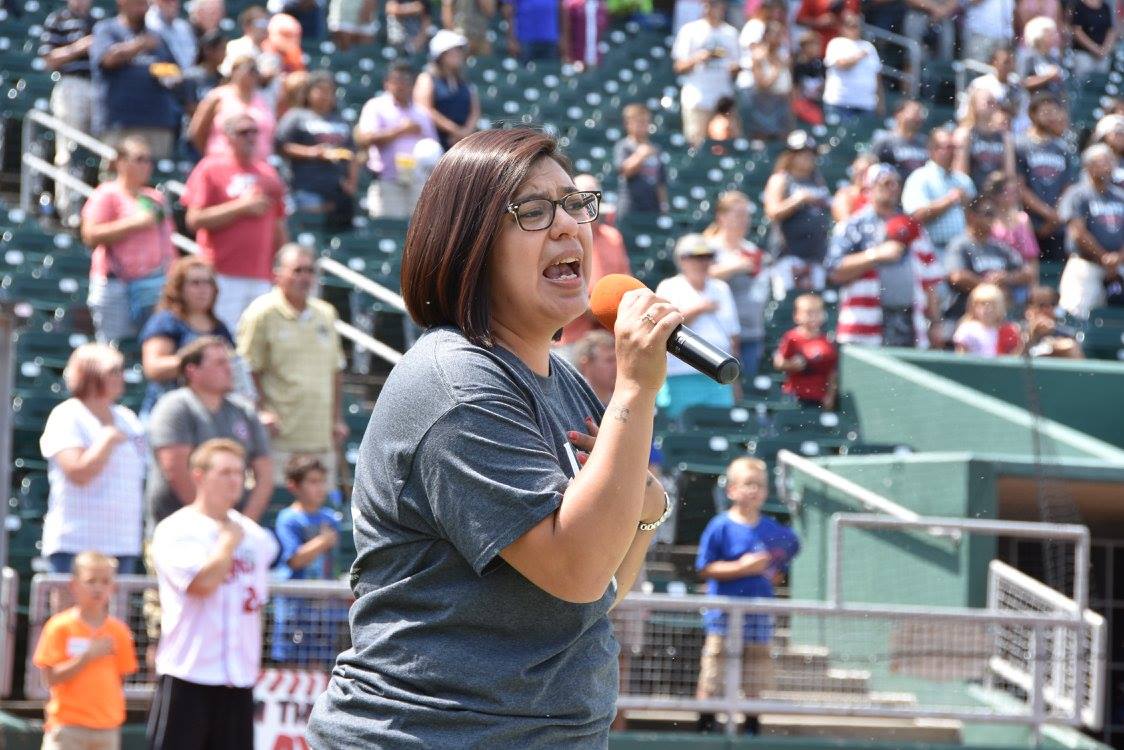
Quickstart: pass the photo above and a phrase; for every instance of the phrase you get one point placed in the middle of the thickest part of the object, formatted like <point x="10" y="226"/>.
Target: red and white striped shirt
<point x="860" y="304"/>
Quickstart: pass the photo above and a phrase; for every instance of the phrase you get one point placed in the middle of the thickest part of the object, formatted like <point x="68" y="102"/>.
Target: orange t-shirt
<point x="94" y="698"/>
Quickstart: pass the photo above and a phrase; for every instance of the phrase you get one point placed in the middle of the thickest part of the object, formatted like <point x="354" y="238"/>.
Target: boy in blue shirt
<point x="740" y="554"/>
<point x="305" y="630"/>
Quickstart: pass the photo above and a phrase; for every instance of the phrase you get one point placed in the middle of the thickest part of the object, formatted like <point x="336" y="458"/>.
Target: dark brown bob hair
<point x="456" y="222"/>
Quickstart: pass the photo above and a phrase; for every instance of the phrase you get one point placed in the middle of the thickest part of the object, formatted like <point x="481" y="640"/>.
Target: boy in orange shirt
<point x="84" y="655"/>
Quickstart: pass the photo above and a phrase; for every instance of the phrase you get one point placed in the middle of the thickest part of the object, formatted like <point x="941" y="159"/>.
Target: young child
<point x="84" y="655"/>
<point x="808" y="356"/>
<point x="1043" y="334"/>
<point x="984" y="330"/>
<point x="741" y="553"/>
<point x="643" y="181"/>
<point x="304" y="629"/>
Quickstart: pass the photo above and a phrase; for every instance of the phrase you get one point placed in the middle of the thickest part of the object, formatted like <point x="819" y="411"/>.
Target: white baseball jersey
<point x="215" y="639"/>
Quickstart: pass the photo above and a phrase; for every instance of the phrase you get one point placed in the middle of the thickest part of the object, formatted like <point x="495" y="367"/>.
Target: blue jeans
<point x="63" y="562"/>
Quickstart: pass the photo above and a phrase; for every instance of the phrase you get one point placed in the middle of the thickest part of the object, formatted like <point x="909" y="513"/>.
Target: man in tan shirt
<point x="290" y="342"/>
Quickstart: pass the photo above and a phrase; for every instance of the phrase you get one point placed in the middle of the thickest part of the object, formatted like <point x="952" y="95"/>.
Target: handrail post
<point x="25" y="179"/>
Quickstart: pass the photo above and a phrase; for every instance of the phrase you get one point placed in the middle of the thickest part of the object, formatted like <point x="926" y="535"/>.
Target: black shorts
<point x="188" y="716"/>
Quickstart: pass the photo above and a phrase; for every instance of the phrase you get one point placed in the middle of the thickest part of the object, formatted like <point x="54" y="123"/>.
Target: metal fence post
<point x="735" y="634"/>
<point x="1038" y="686"/>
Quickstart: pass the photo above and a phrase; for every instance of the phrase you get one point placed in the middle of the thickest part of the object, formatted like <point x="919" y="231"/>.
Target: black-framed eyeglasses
<point x="538" y="213"/>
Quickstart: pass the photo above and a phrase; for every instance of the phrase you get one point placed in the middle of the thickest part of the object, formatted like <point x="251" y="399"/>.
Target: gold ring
<point x="647" y="318"/>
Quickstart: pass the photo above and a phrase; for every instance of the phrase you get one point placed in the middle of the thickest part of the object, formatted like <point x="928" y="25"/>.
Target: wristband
<point x="668" y="507"/>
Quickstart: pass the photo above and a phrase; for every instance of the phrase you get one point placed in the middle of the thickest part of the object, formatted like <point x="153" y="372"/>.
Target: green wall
<point x="1084" y="394"/>
<point x="885" y="568"/>
<point x="899" y="402"/>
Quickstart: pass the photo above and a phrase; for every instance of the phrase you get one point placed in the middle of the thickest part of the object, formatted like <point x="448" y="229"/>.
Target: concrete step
<point x="862" y="728"/>
<point x="874" y="698"/>
<point x="809" y="658"/>
<point x="824" y="680"/>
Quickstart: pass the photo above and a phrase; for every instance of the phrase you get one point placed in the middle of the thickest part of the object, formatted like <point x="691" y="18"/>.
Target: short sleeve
<point x="103" y="206"/>
<point x="369" y="117"/>
<point x="1073" y="205"/>
<point x="913" y="192"/>
<point x="62" y="431"/>
<point x="845" y="240"/>
<point x="162" y="325"/>
<point x="170" y="422"/>
<point x="124" y="650"/>
<point x="178" y="557"/>
<point x="787" y="346"/>
<point x="253" y="343"/>
<point x="710" y="544"/>
<point x="288" y="530"/>
<point x="197" y="191"/>
<point x="682" y="47"/>
<point x="489" y="475"/>
<point x="836" y="48"/>
<point x="621" y="151"/>
<point x="288" y="128"/>
<point x="51" y="648"/>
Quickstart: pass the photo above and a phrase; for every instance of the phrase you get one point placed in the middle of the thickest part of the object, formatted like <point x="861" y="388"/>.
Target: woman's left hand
<point x="654" y="502"/>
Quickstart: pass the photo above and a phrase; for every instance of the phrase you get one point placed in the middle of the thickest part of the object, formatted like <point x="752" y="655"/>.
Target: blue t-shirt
<point x="536" y="20"/>
<point x="727" y="539"/>
<point x="294" y="527"/>
<point x="130" y="96"/>
<point x="164" y="323"/>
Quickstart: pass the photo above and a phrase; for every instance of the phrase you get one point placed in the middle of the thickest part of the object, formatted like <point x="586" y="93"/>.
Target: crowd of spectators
<point x="929" y="243"/>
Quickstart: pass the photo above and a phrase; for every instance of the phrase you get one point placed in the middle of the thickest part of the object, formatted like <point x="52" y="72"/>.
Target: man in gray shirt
<point x="187" y="417"/>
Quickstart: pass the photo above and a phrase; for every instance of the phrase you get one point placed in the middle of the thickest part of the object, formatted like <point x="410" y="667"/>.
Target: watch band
<point x="668" y="507"/>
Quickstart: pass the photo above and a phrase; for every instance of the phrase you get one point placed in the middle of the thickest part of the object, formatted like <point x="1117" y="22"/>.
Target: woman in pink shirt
<point x="239" y="94"/>
<point x="130" y="228"/>
<point x="1012" y="224"/>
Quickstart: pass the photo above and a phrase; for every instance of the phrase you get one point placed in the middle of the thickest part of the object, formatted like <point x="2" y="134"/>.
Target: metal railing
<point x="9" y="617"/>
<point x="1009" y="589"/>
<point x="34" y="164"/>
<point x="1003" y="663"/>
<point x="909" y="78"/>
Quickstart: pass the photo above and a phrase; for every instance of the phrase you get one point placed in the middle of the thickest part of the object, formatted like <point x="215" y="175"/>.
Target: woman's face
<point x="134" y="165"/>
<point x="452" y="60"/>
<point x="803" y="163"/>
<point x="322" y="97"/>
<point x="735" y="217"/>
<point x="244" y="73"/>
<point x="113" y="384"/>
<point x="539" y="279"/>
<point x="198" y="290"/>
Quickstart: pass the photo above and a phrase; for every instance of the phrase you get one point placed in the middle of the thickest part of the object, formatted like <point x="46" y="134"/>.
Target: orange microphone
<point x="683" y="343"/>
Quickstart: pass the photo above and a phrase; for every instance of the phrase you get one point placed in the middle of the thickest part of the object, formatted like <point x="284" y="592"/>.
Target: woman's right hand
<point x="644" y="324"/>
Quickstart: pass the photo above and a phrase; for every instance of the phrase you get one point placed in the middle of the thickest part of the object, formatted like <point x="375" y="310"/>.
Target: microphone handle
<point x="703" y="356"/>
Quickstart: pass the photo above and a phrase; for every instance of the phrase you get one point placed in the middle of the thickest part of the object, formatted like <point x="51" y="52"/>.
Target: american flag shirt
<point x="861" y="300"/>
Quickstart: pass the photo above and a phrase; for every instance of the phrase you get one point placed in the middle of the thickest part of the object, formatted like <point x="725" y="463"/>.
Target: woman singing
<point x="487" y="561"/>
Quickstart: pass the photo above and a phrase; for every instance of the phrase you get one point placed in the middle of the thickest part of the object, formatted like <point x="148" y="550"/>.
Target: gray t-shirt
<point x="966" y="254"/>
<point x="465" y="451"/>
<point x="1103" y="214"/>
<point x="179" y="418"/>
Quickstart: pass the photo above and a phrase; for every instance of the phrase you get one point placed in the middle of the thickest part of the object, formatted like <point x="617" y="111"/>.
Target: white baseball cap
<point x="443" y="41"/>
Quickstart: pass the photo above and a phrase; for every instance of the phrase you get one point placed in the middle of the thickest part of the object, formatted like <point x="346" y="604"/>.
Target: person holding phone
<point x="127" y="224"/>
